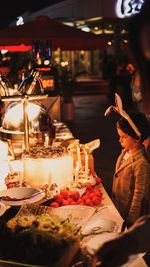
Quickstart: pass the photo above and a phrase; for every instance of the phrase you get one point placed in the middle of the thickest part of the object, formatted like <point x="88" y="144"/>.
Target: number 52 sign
<point x="126" y="8"/>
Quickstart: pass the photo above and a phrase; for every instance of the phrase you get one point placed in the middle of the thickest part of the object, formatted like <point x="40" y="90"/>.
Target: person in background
<point x="139" y="41"/>
<point x="124" y="74"/>
<point x="110" y="76"/>
<point x="131" y="180"/>
<point x="137" y="91"/>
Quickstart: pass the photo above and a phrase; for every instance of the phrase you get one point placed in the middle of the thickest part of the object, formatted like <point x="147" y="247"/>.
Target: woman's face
<point x="126" y="140"/>
<point x="145" y="41"/>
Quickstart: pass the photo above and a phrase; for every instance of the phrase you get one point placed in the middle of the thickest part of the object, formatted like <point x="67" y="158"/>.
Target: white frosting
<point x="40" y="171"/>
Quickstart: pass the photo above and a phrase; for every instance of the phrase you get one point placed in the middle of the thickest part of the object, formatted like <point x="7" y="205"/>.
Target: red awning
<point x="16" y="48"/>
<point x="61" y="36"/>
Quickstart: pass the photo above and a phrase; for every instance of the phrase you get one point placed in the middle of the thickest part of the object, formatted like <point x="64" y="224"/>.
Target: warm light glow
<point x="3" y="150"/>
<point x="95" y="19"/>
<point x="4" y="51"/>
<point x="108" y="31"/>
<point x="3" y="173"/>
<point x="99" y="31"/>
<point x="64" y="63"/>
<point x="46" y="62"/>
<point x="85" y="29"/>
<point x="33" y="111"/>
<point x="39" y="172"/>
<point x="123" y="31"/>
<point x="71" y="24"/>
<point x="39" y="61"/>
<point x="15" y="165"/>
<point x="109" y="43"/>
<point x="19" y="21"/>
<point x="16" y="117"/>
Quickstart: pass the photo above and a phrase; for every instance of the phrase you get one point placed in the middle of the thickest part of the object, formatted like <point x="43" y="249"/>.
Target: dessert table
<point x="62" y="132"/>
<point x="106" y="212"/>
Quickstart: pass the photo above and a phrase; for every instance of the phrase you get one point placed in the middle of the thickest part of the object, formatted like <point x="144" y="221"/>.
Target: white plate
<point x="20" y="193"/>
<point x="78" y="214"/>
<point x="98" y="226"/>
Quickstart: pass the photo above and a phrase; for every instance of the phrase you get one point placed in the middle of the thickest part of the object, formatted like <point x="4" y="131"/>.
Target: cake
<point x="47" y="165"/>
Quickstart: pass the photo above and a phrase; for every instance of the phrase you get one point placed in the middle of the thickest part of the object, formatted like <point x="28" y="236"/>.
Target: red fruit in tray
<point x="89" y="190"/>
<point x="91" y="195"/>
<point x="75" y="195"/>
<point x="89" y="202"/>
<point x="97" y="200"/>
<point x="11" y="185"/>
<point x="97" y="191"/>
<point x="85" y="197"/>
<point x="88" y="184"/>
<point x="73" y="203"/>
<point x="98" y="180"/>
<point x="58" y="198"/>
<point x="54" y="204"/>
<point x="64" y="192"/>
<point x="69" y="199"/>
<point x="65" y="202"/>
<point x="80" y="202"/>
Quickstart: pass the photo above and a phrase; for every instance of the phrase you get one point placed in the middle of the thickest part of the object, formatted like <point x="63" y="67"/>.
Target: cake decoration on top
<point x="40" y="151"/>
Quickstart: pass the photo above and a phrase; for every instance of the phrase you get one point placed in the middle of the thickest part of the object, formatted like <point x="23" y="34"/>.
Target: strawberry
<point x="69" y="199"/>
<point x="11" y="185"/>
<point x="73" y="203"/>
<point x="65" y="193"/>
<point x="75" y="195"/>
<point x="58" y="198"/>
<point x="84" y="198"/>
<point x="89" y="190"/>
<point x="96" y="200"/>
<point x="98" y="180"/>
<point x="80" y="202"/>
<point x="97" y="192"/>
<point x="65" y="202"/>
<point x="88" y="184"/>
<point x="89" y="202"/>
<point x="54" y="204"/>
<point x="91" y="195"/>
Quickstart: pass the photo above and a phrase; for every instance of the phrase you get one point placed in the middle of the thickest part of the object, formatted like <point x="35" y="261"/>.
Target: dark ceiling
<point x="11" y="9"/>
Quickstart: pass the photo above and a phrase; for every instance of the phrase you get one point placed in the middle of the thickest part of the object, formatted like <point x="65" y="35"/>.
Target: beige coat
<point x="131" y="185"/>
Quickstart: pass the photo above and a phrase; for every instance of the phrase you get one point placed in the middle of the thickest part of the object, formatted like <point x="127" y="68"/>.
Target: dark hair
<point x="140" y="122"/>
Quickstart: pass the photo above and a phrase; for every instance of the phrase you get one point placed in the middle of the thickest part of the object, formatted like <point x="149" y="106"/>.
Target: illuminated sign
<point x="126" y="8"/>
<point x="47" y="82"/>
<point x="19" y="21"/>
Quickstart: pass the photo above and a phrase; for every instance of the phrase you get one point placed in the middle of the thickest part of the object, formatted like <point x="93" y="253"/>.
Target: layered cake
<point x="47" y="165"/>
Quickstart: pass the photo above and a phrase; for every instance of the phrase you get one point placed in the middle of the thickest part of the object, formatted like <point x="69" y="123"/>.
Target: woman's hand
<point x="116" y="252"/>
